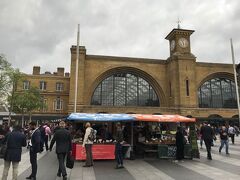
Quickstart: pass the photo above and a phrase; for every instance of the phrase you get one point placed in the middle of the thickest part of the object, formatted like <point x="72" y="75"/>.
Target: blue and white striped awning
<point x="99" y="117"/>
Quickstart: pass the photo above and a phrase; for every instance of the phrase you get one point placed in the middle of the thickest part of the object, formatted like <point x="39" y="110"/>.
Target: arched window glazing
<point x="124" y="89"/>
<point x="217" y="93"/>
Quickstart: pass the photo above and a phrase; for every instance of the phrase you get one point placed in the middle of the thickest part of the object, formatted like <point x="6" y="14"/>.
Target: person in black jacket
<point x="15" y="141"/>
<point x="34" y="149"/>
<point x="207" y="135"/>
<point x="179" y="144"/>
<point x="63" y="141"/>
<point x="2" y="134"/>
<point x="118" y="146"/>
<point x="42" y="132"/>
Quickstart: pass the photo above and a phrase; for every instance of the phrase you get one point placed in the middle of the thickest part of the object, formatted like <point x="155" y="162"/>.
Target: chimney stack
<point x="36" y="70"/>
<point x="60" y="71"/>
<point x="67" y="74"/>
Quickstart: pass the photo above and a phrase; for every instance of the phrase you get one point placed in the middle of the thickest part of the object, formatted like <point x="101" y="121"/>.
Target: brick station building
<point x="180" y="84"/>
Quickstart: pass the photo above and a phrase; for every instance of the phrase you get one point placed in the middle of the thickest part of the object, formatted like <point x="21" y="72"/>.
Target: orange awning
<point x="162" y="118"/>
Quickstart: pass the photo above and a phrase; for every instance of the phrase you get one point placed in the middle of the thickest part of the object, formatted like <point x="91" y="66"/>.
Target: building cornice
<point x="131" y="59"/>
<point x="204" y="64"/>
<point x="41" y="76"/>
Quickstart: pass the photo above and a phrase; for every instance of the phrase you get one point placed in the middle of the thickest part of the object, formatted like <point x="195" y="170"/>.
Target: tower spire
<point x="178" y="22"/>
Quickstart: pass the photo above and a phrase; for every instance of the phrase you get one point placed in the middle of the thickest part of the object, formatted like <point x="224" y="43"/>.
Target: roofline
<point x="118" y="58"/>
<point x="176" y="29"/>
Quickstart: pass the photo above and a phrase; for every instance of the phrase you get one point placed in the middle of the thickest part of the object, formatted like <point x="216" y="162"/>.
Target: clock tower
<point x="181" y="70"/>
<point x="179" y="40"/>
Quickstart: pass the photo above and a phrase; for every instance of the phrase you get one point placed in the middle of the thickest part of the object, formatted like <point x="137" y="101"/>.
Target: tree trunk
<point x="30" y="117"/>
<point x="22" y="119"/>
<point x="11" y="106"/>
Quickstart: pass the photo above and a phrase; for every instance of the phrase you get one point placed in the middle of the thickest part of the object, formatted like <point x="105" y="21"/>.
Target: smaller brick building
<point x="54" y="88"/>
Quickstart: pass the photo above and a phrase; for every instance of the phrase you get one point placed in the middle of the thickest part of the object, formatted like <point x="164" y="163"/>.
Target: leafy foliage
<point x="27" y="101"/>
<point x="9" y="77"/>
<point x="5" y="68"/>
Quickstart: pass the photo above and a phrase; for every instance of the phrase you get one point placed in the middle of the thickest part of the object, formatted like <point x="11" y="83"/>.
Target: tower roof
<point x="178" y="31"/>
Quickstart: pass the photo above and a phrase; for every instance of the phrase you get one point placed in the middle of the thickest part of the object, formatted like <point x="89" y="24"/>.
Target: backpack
<point x="92" y="135"/>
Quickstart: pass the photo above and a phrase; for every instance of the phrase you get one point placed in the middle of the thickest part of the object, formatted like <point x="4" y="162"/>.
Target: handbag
<point x="184" y="140"/>
<point x="3" y="150"/>
<point x="70" y="161"/>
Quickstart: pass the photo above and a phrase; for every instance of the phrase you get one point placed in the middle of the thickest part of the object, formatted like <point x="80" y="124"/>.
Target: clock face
<point x="183" y="42"/>
<point x="172" y="46"/>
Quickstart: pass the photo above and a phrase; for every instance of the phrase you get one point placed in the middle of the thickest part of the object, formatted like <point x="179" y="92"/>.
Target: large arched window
<point x="217" y="93"/>
<point x="124" y="89"/>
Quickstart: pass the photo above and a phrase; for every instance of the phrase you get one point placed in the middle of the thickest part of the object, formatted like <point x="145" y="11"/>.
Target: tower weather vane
<point x="178" y="22"/>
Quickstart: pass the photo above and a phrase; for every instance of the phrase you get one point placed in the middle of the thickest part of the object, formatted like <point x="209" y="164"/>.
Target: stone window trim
<point x="43" y="85"/>
<point x="26" y="85"/>
<point x="58" y="104"/>
<point x="59" y="86"/>
<point x="44" y="109"/>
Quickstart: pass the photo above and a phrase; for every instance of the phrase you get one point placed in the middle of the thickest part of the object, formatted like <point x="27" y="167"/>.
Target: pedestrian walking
<point x="207" y="135"/>
<point x="231" y="132"/>
<point x="224" y="139"/>
<point x="180" y="141"/>
<point x="63" y="141"/>
<point x="200" y="136"/>
<point x="118" y="146"/>
<point x="4" y="130"/>
<point x="236" y="130"/>
<point x="34" y="149"/>
<point x="47" y="135"/>
<point x="87" y="143"/>
<point x="15" y="140"/>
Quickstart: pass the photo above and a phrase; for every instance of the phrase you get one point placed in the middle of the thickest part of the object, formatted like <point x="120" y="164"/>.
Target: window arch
<point x="124" y="89"/>
<point x="217" y="93"/>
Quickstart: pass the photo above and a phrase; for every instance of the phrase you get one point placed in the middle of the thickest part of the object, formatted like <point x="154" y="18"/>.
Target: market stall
<point x="163" y="145"/>
<point x="102" y="148"/>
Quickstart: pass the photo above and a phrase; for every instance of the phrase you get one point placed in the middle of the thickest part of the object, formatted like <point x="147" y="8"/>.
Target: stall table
<point x="150" y="147"/>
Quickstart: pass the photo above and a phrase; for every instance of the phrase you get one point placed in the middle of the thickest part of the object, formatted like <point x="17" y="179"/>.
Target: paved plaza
<point x="221" y="167"/>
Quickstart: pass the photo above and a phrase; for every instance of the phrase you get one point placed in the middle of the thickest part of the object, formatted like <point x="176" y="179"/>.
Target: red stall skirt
<point x="100" y="151"/>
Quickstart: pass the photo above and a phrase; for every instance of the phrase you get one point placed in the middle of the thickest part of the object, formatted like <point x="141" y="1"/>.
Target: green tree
<point x="5" y="81"/>
<point x="9" y="78"/>
<point x="18" y="104"/>
<point x="15" y="77"/>
<point x="26" y="102"/>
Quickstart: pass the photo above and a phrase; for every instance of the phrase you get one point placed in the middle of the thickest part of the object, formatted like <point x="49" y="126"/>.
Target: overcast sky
<point x="41" y="32"/>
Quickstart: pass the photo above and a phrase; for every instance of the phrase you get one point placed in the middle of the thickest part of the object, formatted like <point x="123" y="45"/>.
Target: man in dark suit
<point x="34" y="149"/>
<point x="63" y="141"/>
<point x="15" y="141"/>
<point x="207" y="135"/>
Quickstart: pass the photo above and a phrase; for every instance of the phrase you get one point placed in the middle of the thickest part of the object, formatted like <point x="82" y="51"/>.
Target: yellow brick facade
<point x="167" y="77"/>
